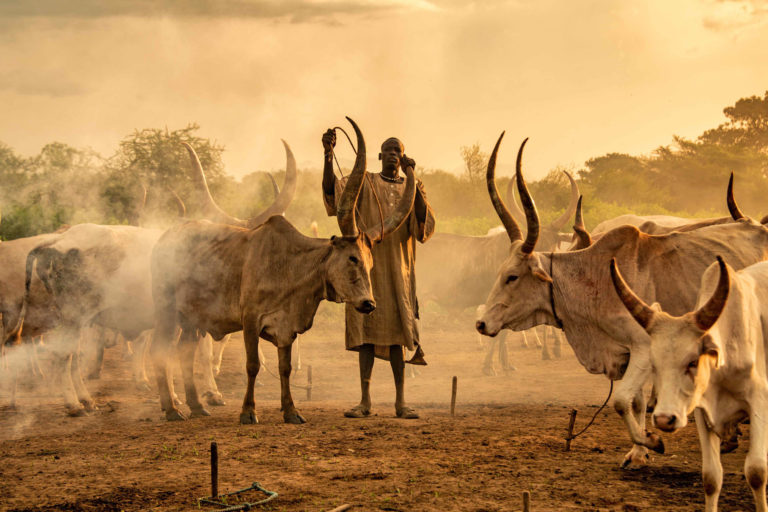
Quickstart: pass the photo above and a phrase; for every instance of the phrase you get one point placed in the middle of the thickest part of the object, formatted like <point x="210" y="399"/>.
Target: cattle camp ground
<point x="507" y="437"/>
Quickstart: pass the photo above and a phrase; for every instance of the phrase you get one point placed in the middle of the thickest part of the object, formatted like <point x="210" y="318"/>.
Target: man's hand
<point x="329" y="140"/>
<point x="406" y="162"/>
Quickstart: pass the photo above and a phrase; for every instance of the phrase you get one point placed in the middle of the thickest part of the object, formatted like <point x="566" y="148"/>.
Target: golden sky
<point x="581" y="78"/>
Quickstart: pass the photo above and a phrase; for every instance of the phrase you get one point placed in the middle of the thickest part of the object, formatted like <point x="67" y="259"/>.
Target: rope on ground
<point x="574" y="436"/>
<point x="263" y="362"/>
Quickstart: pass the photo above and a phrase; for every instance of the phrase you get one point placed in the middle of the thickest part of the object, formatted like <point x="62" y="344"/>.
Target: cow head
<point x="520" y="297"/>
<point x="683" y="352"/>
<point x="350" y="262"/>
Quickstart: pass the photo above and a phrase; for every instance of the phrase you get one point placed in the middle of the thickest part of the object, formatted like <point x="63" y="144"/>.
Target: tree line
<point x="67" y="185"/>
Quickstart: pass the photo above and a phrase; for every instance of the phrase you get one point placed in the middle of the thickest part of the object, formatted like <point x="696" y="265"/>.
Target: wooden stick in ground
<point x="214" y="470"/>
<point x="309" y="382"/>
<point x="454" y="387"/>
<point x="341" y="508"/>
<point x="526" y="501"/>
<point x="571" y="422"/>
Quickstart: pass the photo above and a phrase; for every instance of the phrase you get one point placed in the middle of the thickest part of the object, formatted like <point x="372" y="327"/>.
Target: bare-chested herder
<point x="392" y="327"/>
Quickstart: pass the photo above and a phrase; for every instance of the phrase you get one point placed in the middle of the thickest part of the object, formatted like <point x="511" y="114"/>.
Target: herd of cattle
<point x="701" y="345"/>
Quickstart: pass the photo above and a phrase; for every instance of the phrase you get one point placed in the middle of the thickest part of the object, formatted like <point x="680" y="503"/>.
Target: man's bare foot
<point x="358" y="411"/>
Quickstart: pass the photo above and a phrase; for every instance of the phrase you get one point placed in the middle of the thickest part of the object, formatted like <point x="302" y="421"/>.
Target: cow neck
<point x="558" y="320"/>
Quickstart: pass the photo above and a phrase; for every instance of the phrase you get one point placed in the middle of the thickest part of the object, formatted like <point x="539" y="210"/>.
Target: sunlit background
<point x="580" y="78"/>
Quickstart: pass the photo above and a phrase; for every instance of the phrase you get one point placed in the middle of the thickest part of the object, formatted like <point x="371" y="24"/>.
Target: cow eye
<point x="353" y="259"/>
<point x="511" y="278"/>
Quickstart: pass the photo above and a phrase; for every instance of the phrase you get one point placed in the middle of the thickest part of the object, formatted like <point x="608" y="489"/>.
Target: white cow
<point x="712" y="362"/>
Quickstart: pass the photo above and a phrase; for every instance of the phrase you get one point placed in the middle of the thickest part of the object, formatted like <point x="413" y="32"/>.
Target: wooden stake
<point x="214" y="470"/>
<point x="454" y="387"/>
<point x="309" y="382"/>
<point x="526" y="501"/>
<point x="571" y="422"/>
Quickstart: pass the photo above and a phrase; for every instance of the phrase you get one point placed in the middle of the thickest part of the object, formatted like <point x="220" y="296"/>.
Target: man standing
<point x="392" y="327"/>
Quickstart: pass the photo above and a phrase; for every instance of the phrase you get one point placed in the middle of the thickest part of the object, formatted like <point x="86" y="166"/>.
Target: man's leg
<point x="397" y="361"/>
<point x="366" y="356"/>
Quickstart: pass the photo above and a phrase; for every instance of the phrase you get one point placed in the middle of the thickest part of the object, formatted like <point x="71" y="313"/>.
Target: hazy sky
<point x="581" y="78"/>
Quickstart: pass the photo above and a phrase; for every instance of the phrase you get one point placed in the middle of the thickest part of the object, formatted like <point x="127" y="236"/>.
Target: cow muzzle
<point x="366" y="307"/>
<point x="666" y="422"/>
<point x="483" y="329"/>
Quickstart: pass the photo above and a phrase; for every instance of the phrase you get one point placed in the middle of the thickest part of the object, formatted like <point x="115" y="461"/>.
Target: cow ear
<point x="710" y="348"/>
<point x="538" y="271"/>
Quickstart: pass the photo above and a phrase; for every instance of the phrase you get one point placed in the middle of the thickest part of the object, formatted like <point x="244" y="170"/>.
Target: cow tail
<point x="14" y="336"/>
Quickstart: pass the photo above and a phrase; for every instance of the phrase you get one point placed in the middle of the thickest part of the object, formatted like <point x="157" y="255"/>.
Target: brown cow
<point x="267" y="282"/>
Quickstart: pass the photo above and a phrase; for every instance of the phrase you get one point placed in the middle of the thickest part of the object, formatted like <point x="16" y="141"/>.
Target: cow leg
<point x="503" y="353"/>
<point x="290" y="414"/>
<point x="187" y="347"/>
<point x="488" y="361"/>
<point x="138" y="358"/>
<point x="557" y="338"/>
<point x="711" y="468"/>
<point x="98" y="361"/>
<point x="545" y="355"/>
<point x="34" y="344"/>
<point x="755" y="467"/>
<point x="83" y="396"/>
<point x="524" y="343"/>
<point x="160" y="351"/>
<point x="211" y="394"/>
<point x="252" y="365"/>
<point x="537" y="339"/>
<point x="629" y="402"/>
<point x="298" y="353"/>
<point x="219" y="354"/>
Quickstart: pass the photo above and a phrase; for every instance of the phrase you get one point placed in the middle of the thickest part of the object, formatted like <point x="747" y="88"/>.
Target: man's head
<point x="392" y="151"/>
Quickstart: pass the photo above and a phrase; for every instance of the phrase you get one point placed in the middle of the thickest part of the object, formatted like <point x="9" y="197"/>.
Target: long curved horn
<point x="706" y="316"/>
<point x="639" y="310"/>
<point x="513" y="230"/>
<point x="558" y="223"/>
<point x="284" y="196"/>
<point x="514" y="208"/>
<point x="275" y="188"/>
<point x="180" y="207"/>
<point x="211" y="210"/>
<point x="580" y="231"/>
<point x="345" y="211"/>
<point x="531" y="215"/>
<point x="732" y="206"/>
<point x="401" y="212"/>
<point x="214" y="212"/>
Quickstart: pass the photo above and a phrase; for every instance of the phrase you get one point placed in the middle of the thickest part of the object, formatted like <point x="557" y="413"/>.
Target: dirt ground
<point x="506" y="437"/>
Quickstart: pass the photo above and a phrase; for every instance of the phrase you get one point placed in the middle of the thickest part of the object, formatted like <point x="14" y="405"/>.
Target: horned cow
<point x="712" y="362"/>
<point x="572" y="290"/>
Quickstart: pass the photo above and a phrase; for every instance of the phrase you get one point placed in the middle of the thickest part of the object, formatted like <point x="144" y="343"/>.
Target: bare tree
<point x="475" y="162"/>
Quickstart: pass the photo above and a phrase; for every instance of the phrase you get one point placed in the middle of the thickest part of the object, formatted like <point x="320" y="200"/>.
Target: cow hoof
<point x="176" y="401"/>
<point x="76" y="411"/>
<point x="214" y="399"/>
<point x="94" y="376"/>
<point x="216" y="371"/>
<point x="545" y="356"/>
<point x="174" y="415"/>
<point x="143" y="385"/>
<point x="510" y="369"/>
<point x="728" y="446"/>
<point x="490" y="372"/>
<point x="198" y="412"/>
<point x="295" y="418"/>
<point x="656" y="443"/>
<point x="89" y="405"/>
<point x="248" y="418"/>
<point x="637" y="456"/>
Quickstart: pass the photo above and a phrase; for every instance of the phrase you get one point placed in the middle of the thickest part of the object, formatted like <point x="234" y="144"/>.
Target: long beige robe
<point x="393" y="277"/>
